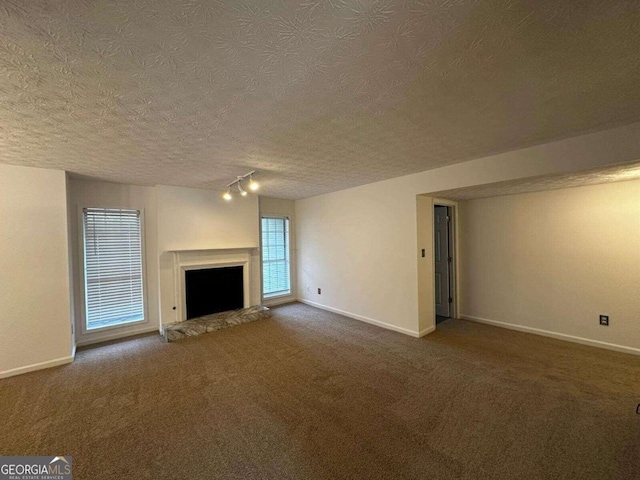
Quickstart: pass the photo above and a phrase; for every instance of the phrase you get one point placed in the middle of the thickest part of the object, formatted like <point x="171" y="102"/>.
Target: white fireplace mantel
<point x="184" y="260"/>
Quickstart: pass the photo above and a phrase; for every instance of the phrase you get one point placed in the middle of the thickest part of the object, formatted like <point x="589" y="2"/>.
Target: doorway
<point x="443" y="253"/>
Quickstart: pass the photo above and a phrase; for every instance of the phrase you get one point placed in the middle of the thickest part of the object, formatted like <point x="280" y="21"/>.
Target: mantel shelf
<point x="230" y="249"/>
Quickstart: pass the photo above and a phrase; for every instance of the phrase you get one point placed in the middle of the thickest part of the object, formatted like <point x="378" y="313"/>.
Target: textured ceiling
<point x="614" y="173"/>
<point x="316" y="95"/>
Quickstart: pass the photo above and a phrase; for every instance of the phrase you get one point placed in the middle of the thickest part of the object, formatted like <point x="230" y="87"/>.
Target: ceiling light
<point x="253" y="186"/>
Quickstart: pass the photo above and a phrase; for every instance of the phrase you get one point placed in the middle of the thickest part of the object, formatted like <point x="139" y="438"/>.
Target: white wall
<point x="283" y="208"/>
<point x="556" y="260"/>
<point x="34" y="270"/>
<point x="83" y="193"/>
<point x="361" y="245"/>
<point x="194" y="219"/>
<point x="175" y="218"/>
<point x="71" y="263"/>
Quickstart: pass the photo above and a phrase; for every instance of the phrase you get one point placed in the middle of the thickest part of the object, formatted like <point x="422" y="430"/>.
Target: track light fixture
<point x="253" y="185"/>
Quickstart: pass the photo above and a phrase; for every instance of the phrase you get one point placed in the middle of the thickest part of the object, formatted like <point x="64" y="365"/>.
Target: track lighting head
<point x="253" y="186"/>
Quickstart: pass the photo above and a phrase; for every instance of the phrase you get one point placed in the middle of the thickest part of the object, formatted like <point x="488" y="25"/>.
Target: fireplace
<point x="213" y="290"/>
<point x="242" y="265"/>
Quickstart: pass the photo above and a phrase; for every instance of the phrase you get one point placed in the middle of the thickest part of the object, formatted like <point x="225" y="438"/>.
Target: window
<point x="112" y="267"/>
<point x="276" y="278"/>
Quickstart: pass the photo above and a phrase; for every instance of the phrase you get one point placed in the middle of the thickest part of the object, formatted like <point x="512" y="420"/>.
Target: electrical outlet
<point x="319" y="291"/>
<point x="604" y="320"/>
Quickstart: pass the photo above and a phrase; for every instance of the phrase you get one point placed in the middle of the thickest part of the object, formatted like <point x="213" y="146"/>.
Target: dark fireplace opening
<point x="213" y="290"/>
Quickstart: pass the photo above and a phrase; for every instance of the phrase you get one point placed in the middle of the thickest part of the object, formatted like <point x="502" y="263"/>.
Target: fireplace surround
<point x="175" y="264"/>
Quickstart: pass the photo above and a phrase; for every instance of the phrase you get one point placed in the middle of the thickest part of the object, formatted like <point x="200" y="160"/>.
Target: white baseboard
<point x="427" y="331"/>
<point x="558" y="336"/>
<point x="36" y="366"/>
<point x="116" y="336"/>
<point x="362" y="318"/>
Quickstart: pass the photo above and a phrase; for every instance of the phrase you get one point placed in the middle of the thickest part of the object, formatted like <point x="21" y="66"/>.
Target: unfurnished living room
<point x="319" y="239"/>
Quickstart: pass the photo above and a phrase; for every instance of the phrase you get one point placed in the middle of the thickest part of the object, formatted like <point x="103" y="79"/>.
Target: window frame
<point x="84" y="330"/>
<point x="290" y="293"/>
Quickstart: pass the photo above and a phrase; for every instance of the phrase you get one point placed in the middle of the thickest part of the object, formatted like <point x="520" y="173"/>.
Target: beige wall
<point x="194" y="219"/>
<point x="554" y="261"/>
<point x="34" y="271"/>
<point x="361" y="245"/>
<point x="284" y="208"/>
<point x="175" y="218"/>
<point x="84" y="193"/>
<point x="71" y="264"/>
<point x="191" y="219"/>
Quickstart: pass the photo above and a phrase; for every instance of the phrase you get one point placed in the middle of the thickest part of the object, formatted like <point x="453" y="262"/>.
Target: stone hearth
<point x="213" y="322"/>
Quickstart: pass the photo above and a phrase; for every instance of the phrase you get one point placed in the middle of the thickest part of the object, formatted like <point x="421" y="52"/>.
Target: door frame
<point x="454" y="251"/>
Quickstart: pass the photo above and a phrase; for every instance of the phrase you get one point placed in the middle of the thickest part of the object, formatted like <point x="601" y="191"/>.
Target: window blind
<point x="112" y="267"/>
<point x="275" y="256"/>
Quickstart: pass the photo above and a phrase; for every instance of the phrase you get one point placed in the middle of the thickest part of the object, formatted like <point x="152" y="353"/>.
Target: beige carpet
<point x="310" y="394"/>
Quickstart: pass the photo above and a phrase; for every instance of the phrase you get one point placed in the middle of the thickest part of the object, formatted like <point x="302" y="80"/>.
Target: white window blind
<point x="275" y="256"/>
<point x="112" y="267"/>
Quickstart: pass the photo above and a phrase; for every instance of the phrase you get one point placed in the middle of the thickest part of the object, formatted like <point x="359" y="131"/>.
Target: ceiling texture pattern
<point x="316" y="95"/>
<point x="594" y="176"/>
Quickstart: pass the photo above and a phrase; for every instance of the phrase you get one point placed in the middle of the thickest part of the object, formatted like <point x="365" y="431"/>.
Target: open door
<point x="442" y="256"/>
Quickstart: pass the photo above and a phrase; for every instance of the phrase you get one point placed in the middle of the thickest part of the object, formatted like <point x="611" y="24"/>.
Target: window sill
<point x="278" y="299"/>
<point x="90" y="331"/>
<point x="276" y="296"/>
